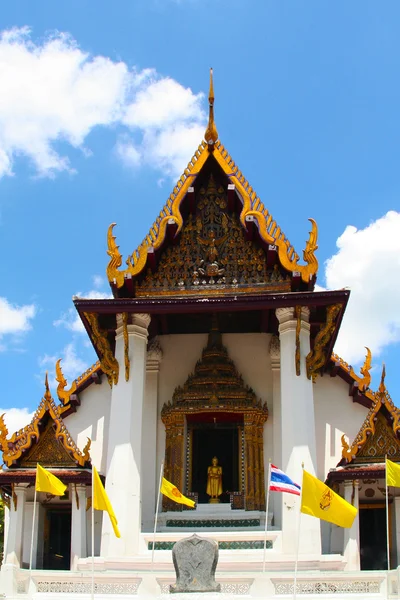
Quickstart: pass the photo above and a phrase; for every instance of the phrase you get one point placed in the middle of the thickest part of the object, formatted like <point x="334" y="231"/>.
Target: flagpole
<point x="266" y="514"/>
<point x="387" y="516"/>
<point x="298" y="541"/>
<point x="92" y="534"/>
<point x="156" y="517"/>
<point x="33" y="530"/>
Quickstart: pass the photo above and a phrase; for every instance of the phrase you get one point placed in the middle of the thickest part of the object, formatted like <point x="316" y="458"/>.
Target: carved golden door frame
<point x="252" y="454"/>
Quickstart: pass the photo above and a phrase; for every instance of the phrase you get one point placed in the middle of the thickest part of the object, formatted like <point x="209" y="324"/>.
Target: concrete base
<point x="49" y="585"/>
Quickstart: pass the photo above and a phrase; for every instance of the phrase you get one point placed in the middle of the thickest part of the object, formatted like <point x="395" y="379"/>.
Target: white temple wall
<point x="335" y="414"/>
<point x="91" y="420"/>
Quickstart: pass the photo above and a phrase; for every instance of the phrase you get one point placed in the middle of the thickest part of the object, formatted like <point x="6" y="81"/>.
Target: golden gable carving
<point x="213" y="256"/>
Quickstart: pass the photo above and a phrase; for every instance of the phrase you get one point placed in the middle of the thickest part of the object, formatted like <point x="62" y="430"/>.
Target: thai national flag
<point x="280" y="482"/>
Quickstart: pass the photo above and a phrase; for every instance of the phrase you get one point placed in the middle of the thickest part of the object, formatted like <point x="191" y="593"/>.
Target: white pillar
<point x="150" y="478"/>
<point x="351" y="546"/>
<point x="123" y="480"/>
<point x="78" y="524"/>
<point x="297" y="430"/>
<point x="15" y="533"/>
<point x="275" y="355"/>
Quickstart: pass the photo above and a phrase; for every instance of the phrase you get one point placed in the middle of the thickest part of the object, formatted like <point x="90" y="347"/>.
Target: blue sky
<point x="101" y="109"/>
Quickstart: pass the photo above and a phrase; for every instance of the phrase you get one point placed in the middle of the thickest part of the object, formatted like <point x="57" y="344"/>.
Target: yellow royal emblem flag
<point x="102" y="502"/>
<point x="318" y="500"/>
<point x="49" y="483"/>
<point x="172" y="492"/>
<point x="392" y="473"/>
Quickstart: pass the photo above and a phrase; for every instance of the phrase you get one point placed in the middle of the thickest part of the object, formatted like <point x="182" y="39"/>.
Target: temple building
<point x="215" y="357"/>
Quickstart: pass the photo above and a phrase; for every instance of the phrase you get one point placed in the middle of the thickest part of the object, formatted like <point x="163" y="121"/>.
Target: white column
<point x="78" y="524"/>
<point x="351" y="546"/>
<point x="13" y="551"/>
<point x="297" y="430"/>
<point x="275" y="354"/>
<point x="123" y="479"/>
<point x="150" y="478"/>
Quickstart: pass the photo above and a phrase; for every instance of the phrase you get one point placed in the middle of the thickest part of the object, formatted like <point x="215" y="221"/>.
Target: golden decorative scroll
<point x="21" y="442"/>
<point x="63" y="394"/>
<point x="316" y="358"/>
<point x="363" y="382"/>
<point x="126" y="345"/>
<point x="298" y="328"/>
<point x="109" y="363"/>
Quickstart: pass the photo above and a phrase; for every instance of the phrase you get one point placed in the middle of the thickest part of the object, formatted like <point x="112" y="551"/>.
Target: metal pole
<point x="266" y="514"/>
<point x="156" y="517"/>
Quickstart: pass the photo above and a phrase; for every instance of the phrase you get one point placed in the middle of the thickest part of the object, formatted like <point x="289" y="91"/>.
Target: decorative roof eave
<point x="70" y="396"/>
<point x="359" y="386"/>
<point x="252" y="207"/>
<point x="26" y="475"/>
<point x="381" y="399"/>
<point x="14" y="447"/>
<point x="375" y="471"/>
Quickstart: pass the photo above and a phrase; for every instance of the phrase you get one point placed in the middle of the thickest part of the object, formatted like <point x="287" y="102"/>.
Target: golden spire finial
<point x="47" y="394"/>
<point x="211" y="134"/>
<point x="382" y="386"/>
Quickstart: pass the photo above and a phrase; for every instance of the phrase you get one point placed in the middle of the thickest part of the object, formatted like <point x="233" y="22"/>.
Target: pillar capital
<point x="275" y="352"/>
<point x="288" y="321"/>
<point x="154" y="355"/>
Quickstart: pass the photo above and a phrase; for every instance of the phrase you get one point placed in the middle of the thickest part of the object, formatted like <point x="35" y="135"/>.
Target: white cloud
<point x="367" y="262"/>
<point x="16" y="418"/>
<point x="72" y="365"/>
<point x="14" y="320"/>
<point x="70" y="318"/>
<point x="54" y="91"/>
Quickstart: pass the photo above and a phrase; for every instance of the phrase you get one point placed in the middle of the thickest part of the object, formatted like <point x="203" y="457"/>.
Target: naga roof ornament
<point x="252" y="209"/>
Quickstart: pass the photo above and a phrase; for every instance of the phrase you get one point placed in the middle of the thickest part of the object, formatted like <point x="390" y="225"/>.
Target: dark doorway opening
<point x="373" y="545"/>
<point x="221" y="441"/>
<point x="57" y="543"/>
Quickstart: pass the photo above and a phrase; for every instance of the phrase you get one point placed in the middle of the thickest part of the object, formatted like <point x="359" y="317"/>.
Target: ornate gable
<point x="45" y="439"/>
<point x="171" y="219"/>
<point x="213" y="255"/>
<point x="378" y="435"/>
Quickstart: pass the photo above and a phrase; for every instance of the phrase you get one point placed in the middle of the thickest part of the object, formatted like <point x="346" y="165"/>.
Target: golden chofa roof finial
<point x="211" y="134"/>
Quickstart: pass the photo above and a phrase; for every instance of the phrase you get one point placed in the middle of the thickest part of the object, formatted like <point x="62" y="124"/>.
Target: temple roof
<point x="253" y="213"/>
<point x="46" y="440"/>
<point x="378" y="435"/>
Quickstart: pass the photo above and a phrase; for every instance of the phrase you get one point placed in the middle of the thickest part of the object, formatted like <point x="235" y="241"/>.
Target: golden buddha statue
<point x="214" y="481"/>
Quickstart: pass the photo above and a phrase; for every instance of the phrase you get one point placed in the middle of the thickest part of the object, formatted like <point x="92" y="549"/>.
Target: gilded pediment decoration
<point x="36" y="438"/>
<point x="378" y="434"/>
<point x="213" y="255"/>
<point x="65" y="394"/>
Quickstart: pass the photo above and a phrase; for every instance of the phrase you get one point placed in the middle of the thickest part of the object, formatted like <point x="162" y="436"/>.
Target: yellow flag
<point x="47" y="482"/>
<point x="392" y="473"/>
<point x="318" y="500"/>
<point x="101" y="501"/>
<point x="172" y="492"/>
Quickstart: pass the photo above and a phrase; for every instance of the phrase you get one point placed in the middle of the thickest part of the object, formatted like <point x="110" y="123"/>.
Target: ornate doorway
<point x="216" y="412"/>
